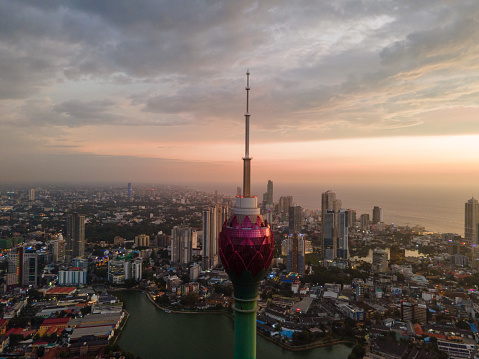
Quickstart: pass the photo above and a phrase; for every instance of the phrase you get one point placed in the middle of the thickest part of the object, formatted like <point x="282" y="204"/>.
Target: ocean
<point x="437" y="208"/>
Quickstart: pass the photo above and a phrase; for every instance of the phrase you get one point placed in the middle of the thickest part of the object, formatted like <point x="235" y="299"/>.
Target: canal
<point x="151" y="334"/>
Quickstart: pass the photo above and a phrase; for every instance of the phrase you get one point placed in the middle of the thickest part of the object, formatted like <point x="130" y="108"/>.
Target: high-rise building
<point x="377" y="215"/>
<point x="295" y="219"/>
<point x="284" y="203"/>
<point x="213" y="219"/>
<point x="22" y="265"/>
<point x="130" y="191"/>
<point x="334" y="235"/>
<point x="72" y="276"/>
<point x="57" y="250"/>
<point x="120" y="270"/>
<point x="328" y="236"/>
<point x="31" y="195"/>
<point x="296" y="251"/>
<point x="75" y="246"/>
<point x="471" y="221"/>
<point x="327" y="201"/>
<point x="136" y="269"/>
<point x="351" y="213"/>
<point x="328" y="204"/>
<point x="142" y="241"/>
<point x="364" y="221"/>
<point x="420" y="313"/>
<point x="407" y="311"/>
<point x="342" y="235"/>
<point x="195" y="271"/>
<point x="181" y="244"/>
<point x="246" y="250"/>
<point x="268" y="196"/>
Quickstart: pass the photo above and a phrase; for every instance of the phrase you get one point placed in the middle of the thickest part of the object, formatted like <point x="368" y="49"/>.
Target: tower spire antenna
<point x="247" y="159"/>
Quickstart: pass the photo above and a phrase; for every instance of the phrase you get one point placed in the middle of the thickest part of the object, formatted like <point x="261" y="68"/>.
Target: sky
<point x="367" y="92"/>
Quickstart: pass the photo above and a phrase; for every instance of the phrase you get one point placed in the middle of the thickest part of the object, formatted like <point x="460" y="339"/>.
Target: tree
<point x="227" y="290"/>
<point x="190" y="299"/>
<point x="163" y="300"/>
<point x="85" y="310"/>
<point x="301" y="338"/>
<point x="34" y="294"/>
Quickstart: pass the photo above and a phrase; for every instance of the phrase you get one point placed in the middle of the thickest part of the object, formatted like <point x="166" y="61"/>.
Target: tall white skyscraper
<point x="471" y="221"/>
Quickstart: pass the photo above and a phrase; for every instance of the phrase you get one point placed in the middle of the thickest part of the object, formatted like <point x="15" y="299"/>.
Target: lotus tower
<point x="246" y="251"/>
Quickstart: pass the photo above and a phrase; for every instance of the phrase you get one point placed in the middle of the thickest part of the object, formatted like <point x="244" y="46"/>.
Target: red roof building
<point x="57" y="322"/>
<point x="60" y="291"/>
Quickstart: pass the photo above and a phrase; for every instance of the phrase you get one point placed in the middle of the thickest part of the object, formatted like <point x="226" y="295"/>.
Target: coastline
<point x="120" y="329"/>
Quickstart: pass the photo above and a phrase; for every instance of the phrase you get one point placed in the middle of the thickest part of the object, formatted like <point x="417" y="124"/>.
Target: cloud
<point x="331" y="69"/>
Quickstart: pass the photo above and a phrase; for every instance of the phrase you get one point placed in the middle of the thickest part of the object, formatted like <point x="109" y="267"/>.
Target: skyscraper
<point x="142" y="241"/>
<point x="213" y="219"/>
<point x="246" y="250"/>
<point x="364" y="221"/>
<point x="295" y="253"/>
<point x="22" y="267"/>
<point x="377" y="215"/>
<point x="327" y="201"/>
<point x="129" y="190"/>
<point x="181" y="244"/>
<point x="351" y="217"/>
<point x="268" y="196"/>
<point x="471" y="221"/>
<point x="295" y="219"/>
<point x="330" y="206"/>
<point x="342" y="235"/>
<point x="57" y="250"/>
<point x="75" y="246"/>
<point x="328" y="236"/>
<point x="284" y="203"/>
<point x="31" y="195"/>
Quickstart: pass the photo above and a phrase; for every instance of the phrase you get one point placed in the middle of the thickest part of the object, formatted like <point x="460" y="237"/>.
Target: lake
<point x="151" y="334"/>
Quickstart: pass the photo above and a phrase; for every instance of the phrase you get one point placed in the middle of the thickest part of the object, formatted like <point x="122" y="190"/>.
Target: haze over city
<point x="370" y="92"/>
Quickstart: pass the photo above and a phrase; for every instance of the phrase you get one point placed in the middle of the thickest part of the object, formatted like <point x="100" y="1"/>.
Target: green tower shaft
<point x="245" y="328"/>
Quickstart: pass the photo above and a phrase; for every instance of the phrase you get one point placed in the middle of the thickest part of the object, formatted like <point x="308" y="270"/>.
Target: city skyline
<point x="153" y="92"/>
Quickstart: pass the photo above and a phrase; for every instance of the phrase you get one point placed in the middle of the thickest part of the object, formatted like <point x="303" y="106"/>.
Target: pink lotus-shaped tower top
<point x="246" y="245"/>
